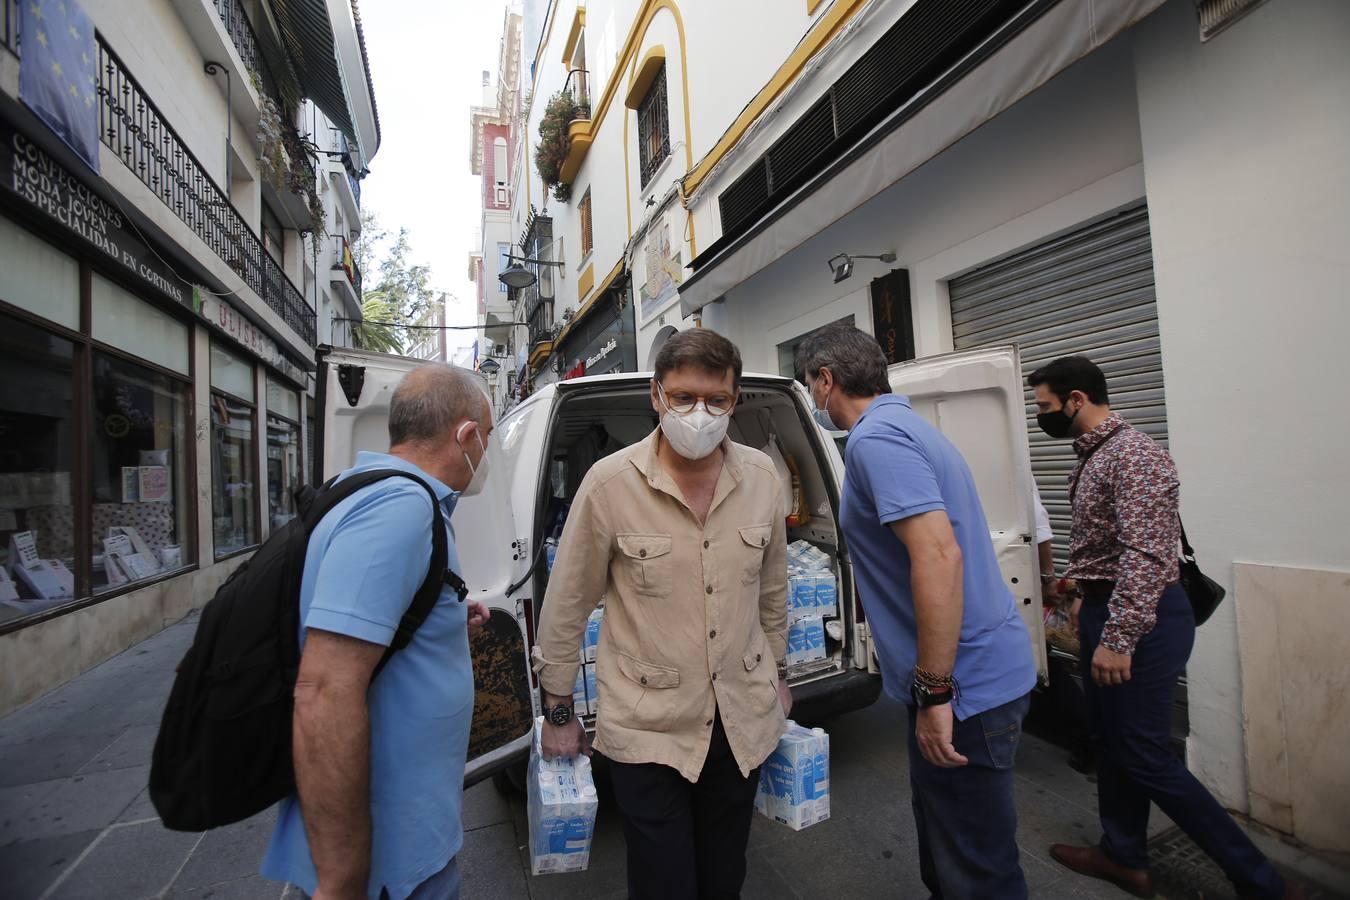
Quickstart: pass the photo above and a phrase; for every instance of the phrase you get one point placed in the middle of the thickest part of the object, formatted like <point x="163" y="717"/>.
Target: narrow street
<point x="76" y="822"/>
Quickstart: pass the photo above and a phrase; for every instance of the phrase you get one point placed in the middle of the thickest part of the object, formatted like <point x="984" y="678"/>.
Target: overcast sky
<point x="426" y="60"/>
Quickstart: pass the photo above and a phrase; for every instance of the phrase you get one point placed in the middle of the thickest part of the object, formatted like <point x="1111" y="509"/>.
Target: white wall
<point x="977" y="201"/>
<point x="1245" y="148"/>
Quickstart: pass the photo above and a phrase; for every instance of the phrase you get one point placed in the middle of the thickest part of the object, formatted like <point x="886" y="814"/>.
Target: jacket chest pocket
<point x="644" y="561"/>
<point x="750" y="551"/>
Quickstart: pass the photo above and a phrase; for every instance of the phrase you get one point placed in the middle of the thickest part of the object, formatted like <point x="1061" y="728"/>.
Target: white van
<point x="546" y="444"/>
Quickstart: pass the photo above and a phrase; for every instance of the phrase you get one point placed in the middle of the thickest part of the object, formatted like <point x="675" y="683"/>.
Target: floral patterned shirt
<point x="1125" y="526"/>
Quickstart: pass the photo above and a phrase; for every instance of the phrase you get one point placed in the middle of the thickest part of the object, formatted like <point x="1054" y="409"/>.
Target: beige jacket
<point x="695" y="615"/>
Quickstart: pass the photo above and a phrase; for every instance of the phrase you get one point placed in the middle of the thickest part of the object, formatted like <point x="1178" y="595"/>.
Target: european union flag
<point x="58" y="72"/>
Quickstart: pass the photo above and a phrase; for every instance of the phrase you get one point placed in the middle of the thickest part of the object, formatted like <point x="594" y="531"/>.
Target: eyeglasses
<point x="682" y="402"/>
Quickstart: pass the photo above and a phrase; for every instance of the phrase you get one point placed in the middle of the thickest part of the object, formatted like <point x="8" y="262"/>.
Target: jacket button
<point x="706" y="544"/>
<point x="643" y="679"/>
<point x="712" y="634"/>
<point x="709" y="589"/>
<point x="714" y="676"/>
<point x="642" y="553"/>
<point x="757" y="657"/>
<point x="708" y="723"/>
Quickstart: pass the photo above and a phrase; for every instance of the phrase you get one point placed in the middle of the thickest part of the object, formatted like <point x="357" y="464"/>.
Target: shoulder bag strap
<point x="1073" y="491"/>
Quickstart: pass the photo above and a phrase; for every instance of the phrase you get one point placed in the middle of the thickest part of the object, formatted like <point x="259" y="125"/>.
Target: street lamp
<point x="842" y="264"/>
<point x="518" y="277"/>
<point x="489" y="367"/>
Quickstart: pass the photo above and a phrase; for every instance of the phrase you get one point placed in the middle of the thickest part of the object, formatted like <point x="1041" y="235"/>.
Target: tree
<point x="407" y="285"/>
<point x="371" y="333"/>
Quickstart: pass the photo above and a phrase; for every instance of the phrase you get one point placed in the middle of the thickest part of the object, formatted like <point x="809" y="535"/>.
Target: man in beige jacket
<point x="683" y="533"/>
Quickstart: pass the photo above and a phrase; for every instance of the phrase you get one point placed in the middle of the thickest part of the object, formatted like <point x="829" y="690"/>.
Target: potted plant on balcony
<point x="286" y="159"/>
<point x="550" y="154"/>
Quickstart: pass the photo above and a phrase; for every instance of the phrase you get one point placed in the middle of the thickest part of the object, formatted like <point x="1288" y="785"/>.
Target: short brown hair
<point x="699" y="348"/>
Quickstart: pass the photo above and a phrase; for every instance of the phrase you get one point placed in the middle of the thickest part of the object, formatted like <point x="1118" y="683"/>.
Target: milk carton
<point x="806" y="640"/>
<point x="592" y="640"/>
<point x="801" y="595"/>
<point x="580" y="702"/>
<point x="561" y="806"/>
<point x="826" y="595"/>
<point x="592" y="691"/>
<point x="794" y="782"/>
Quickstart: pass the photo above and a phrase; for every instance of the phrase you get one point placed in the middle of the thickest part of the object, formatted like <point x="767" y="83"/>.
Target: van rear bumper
<point x="819" y="700"/>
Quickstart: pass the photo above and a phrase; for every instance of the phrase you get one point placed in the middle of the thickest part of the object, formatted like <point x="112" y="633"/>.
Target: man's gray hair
<point x="430" y="400"/>
<point x="853" y="356"/>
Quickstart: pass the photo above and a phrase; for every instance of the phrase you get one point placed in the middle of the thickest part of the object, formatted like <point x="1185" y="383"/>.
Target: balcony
<point x="580" y="131"/>
<point x="134" y="129"/>
<point x="345" y="274"/>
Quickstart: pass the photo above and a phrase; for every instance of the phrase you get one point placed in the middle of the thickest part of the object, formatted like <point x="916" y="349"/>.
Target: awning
<point x="327" y="54"/>
<point x="1011" y="64"/>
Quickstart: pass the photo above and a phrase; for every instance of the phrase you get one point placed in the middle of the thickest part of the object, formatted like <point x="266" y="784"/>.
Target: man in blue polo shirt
<point x="380" y="765"/>
<point x="949" y="639"/>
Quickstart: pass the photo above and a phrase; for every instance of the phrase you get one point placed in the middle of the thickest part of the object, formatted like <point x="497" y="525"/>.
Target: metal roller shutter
<point x="1090" y="292"/>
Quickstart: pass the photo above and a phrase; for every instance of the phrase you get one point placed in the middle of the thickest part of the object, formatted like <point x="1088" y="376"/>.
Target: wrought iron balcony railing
<point x="131" y="126"/>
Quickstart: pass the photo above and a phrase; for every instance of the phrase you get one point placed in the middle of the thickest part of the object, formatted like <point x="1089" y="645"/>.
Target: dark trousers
<point x="966" y="817"/>
<point x="685" y="840"/>
<point x="1132" y="724"/>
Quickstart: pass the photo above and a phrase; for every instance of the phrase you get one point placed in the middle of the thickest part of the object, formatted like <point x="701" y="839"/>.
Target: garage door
<point x="1088" y="292"/>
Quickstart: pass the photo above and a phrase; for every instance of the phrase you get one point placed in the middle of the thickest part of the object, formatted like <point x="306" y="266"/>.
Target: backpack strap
<point x="331" y="494"/>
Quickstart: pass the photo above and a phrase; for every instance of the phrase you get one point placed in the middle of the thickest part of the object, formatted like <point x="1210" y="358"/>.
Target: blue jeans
<point x="444" y="885"/>
<point x="1132" y="725"/>
<point x="966" y="817"/>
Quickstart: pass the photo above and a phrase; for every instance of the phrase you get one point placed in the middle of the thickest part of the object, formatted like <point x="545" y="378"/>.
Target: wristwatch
<point x="925" y="696"/>
<point x="559" y="715"/>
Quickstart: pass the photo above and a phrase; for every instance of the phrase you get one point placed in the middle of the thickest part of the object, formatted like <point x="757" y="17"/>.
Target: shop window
<point x="586" y="234"/>
<point x="234" y="454"/>
<point x="653" y="127"/>
<point x="37" y="277"/>
<point x="274" y="236"/>
<point x="37" y="441"/>
<point x="125" y="321"/>
<point x="283" y="452"/>
<point x="138" y="448"/>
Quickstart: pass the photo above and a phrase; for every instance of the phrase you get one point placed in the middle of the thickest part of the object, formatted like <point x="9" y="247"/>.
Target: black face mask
<point x="1056" y="423"/>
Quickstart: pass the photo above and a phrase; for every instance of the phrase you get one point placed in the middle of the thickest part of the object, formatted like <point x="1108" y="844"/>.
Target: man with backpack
<point x="379" y="765"/>
<point x="1136" y="630"/>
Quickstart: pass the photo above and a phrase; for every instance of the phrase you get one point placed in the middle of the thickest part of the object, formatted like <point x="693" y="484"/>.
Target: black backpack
<point x="224" y="747"/>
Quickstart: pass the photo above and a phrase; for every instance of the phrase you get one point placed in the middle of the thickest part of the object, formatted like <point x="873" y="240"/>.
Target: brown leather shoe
<point x="1093" y="862"/>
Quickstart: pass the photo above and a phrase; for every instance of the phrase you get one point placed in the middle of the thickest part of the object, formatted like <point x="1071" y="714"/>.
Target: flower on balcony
<point x="287" y="160"/>
<point x="554" y="142"/>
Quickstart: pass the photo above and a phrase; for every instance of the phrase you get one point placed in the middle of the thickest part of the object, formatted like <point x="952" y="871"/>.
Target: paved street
<point x="75" y="821"/>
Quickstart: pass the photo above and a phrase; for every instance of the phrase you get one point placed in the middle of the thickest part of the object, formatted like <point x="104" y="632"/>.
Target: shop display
<point x="561" y="806"/>
<point x="794" y="782"/>
<point x="46" y="579"/>
<point x="7" y="589"/>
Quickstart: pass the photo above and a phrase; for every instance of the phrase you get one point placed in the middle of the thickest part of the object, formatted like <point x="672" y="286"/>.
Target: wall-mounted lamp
<point x="842" y="264"/>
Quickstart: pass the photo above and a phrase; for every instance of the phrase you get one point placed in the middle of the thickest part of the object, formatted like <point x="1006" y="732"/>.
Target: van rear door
<point x="354" y="389"/>
<point x="975" y="398"/>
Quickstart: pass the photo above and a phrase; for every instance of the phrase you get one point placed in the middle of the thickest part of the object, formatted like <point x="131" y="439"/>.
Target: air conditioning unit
<point x="499" y="350"/>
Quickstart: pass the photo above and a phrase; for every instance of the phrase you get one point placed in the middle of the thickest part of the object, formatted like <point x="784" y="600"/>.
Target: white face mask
<point x="822" y="413"/>
<point x="695" y="434"/>
<point x="480" y="471"/>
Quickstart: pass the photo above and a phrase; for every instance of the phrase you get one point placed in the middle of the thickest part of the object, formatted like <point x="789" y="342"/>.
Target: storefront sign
<point x="604" y="351"/>
<point x="224" y="317"/>
<point x="577" y="371"/>
<point x="892" y="321"/>
<point x="29" y="175"/>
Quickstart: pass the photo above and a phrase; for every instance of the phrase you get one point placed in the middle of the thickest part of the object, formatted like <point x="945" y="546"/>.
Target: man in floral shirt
<point x="1136" y="630"/>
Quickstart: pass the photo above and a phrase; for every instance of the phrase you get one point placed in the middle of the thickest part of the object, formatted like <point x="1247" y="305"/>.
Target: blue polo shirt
<point x="366" y="559"/>
<point x="897" y="465"/>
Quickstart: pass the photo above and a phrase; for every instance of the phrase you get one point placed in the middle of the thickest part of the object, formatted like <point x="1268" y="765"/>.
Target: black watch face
<point x="560" y="715"/>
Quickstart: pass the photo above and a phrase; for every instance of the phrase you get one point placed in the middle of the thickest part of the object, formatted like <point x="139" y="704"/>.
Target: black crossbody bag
<point x="1204" y="593"/>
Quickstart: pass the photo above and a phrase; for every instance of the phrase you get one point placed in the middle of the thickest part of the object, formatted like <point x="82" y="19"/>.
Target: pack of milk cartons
<point x="806" y="640"/>
<point x="812" y="588"/>
<point x="794" y="782"/>
<point x="561" y="805"/>
<point x="591" y="642"/>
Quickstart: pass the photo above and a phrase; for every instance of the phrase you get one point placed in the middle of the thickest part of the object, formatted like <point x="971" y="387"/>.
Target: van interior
<point x="590" y="426"/>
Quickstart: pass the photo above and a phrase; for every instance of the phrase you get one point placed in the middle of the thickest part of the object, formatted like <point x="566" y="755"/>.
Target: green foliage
<point x="370" y="334"/>
<point x="562" y="109"/>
